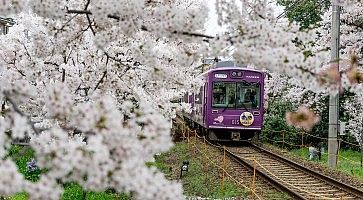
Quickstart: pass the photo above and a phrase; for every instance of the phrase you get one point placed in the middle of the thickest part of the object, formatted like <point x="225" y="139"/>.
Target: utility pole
<point x="334" y="98"/>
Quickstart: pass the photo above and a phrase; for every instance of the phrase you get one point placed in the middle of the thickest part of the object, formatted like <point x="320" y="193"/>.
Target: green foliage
<point x="197" y="181"/>
<point x="73" y="191"/>
<point x="21" y="156"/>
<point x="320" y="130"/>
<point x="275" y="123"/>
<point x="20" y="196"/>
<point x="306" y="12"/>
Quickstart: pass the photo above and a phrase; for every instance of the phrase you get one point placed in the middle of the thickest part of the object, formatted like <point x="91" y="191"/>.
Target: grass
<point x="277" y="195"/>
<point x="72" y="191"/>
<point x="200" y="180"/>
<point x="75" y="191"/>
<point x="22" y="155"/>
<point x="348" y="162"/>
<point x="19" y="196"/>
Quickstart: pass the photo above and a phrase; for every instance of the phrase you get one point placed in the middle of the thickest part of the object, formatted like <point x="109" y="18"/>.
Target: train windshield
<point x="240" y="95"/>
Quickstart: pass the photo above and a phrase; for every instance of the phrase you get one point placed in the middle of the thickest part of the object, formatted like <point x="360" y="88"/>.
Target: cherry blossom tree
<point x="349" y="77"/>
<point x="279" y="86"/>
<point x="350" y="64"/>
<point x="354" y="108"/>
<point x="90" y="82"/>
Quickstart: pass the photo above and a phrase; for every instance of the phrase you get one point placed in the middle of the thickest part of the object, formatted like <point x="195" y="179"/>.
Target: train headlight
<point x="234" y="74"/>
<point x="239" y="74"/>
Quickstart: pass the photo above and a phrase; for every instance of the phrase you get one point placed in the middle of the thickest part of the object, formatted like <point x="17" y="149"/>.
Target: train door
<point x="205" y="94"/>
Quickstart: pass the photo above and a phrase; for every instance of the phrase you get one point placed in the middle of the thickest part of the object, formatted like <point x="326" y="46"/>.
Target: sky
<point x="212" y="27"/>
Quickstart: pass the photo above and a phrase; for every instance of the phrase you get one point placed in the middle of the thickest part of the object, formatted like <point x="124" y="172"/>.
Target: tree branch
<point x="63" y="75"/>
<point x="101" y="80"/>
<point x="305" y="70"/>
<point x="51" y="63"/>
<point x="356" y="24"/>
<point x="17" y="110"/>
<point x="87" y="4"/>
<point x="144" y="28"/>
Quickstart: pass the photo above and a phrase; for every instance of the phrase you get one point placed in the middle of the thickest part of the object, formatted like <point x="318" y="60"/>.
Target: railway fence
<point x="191" y="137"/>
<point x="284" y="143"/>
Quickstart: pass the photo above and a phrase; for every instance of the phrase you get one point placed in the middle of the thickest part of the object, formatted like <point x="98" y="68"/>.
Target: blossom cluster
<point x="92" y="82"/>
<point x="302" y="118"/>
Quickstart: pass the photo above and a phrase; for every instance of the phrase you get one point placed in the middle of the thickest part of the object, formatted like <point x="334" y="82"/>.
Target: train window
<point x="240" y="95"/>
<point x="248" y="95"/>
<point x="224" y="94"/>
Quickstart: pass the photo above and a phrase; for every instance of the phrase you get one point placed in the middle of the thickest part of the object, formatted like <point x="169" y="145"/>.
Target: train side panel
<point x="197" y="101"/>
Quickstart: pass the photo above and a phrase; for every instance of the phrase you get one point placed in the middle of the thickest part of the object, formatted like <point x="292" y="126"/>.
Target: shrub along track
<point x="299" y="182"/>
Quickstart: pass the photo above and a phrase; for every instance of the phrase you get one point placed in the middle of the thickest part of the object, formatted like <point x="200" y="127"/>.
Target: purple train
<point x="229" y="106"/>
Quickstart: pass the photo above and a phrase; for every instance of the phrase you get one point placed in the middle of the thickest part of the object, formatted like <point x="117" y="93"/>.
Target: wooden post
<point x="253" y="179"/>
<point x="283" y="139"/>
<point x="188" y="134"/>
<point x="302" y="139"/>
<point x="195" y="142"/>
<point x="224" y="167"/>
<point x="338" y="153"/>
<point x="188" y="139"/>
<point x="183" y="130"/>
<point x="205" y="153"/>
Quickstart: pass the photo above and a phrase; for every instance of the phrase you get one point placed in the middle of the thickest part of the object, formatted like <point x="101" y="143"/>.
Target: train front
<point x="235" y="103"/>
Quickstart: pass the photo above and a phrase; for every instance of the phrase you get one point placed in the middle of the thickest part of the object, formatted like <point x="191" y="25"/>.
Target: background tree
<point x="306" y="12"/>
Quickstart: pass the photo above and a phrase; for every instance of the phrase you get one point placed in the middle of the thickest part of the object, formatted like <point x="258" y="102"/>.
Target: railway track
<point x="294" y="179"/>
<point x="263" y="188"/>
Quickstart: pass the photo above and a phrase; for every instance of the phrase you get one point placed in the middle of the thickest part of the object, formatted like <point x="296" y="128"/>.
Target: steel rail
<point x="265" y="176"/>
<point x="348" y="188"/>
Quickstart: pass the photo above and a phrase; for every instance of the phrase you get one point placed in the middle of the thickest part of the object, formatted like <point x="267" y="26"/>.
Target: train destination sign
<point x="220" y="75"/>
<point x="252" y="77"/>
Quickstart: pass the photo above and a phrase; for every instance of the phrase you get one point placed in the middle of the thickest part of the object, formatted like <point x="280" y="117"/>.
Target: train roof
<point x="229" y="68"/>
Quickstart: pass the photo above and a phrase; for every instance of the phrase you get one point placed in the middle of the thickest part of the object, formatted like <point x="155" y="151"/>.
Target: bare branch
<point x="87" y="4"/>
<point x="90" y="25"/>
<point x="63" y="75"/>
<point x="144" y="28"/>
<point x="51" y="63"/>
<point x="17" y="110"/>
<point x="101" y="80"/>
<point x="358" y="25"/>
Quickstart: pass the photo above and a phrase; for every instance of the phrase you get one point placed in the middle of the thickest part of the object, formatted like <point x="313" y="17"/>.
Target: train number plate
<point x="235" y="122"/>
